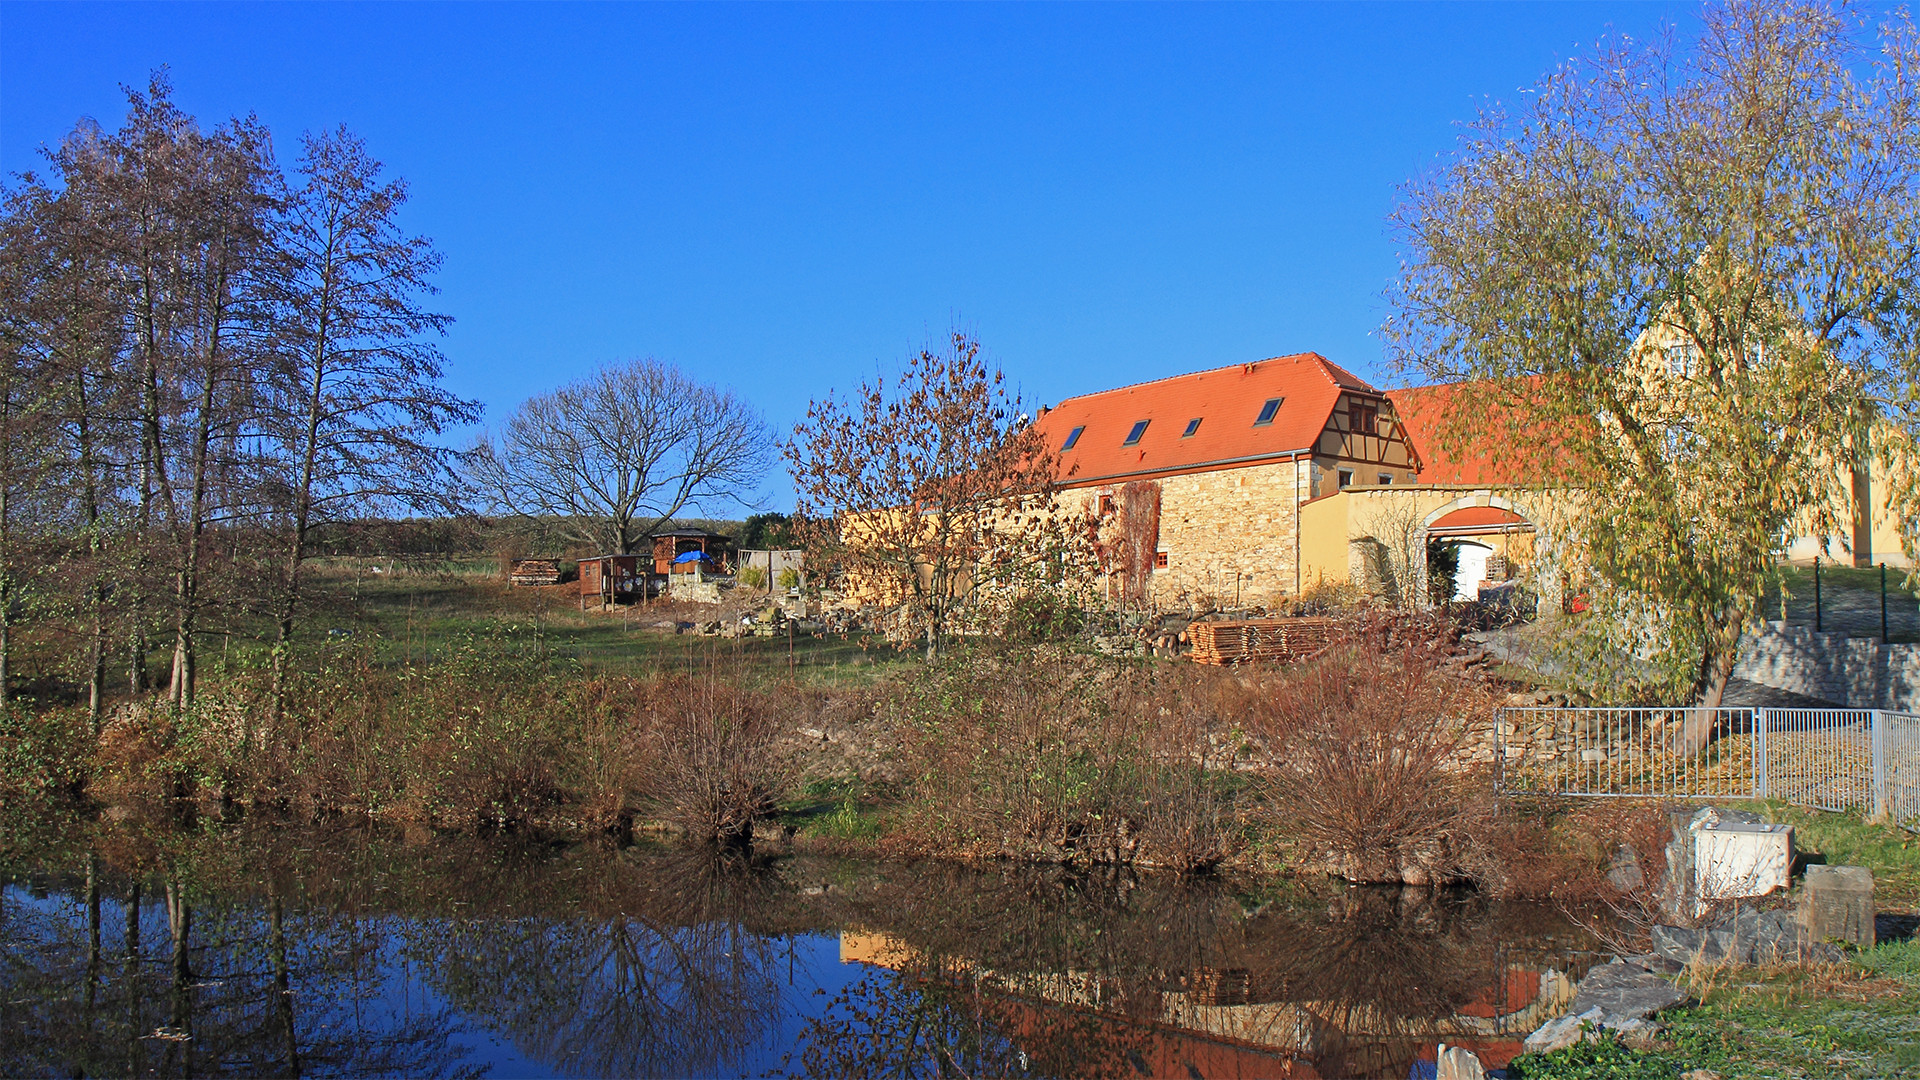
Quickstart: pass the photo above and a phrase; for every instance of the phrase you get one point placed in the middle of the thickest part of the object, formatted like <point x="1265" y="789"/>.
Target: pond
<point x="247" y="949"/>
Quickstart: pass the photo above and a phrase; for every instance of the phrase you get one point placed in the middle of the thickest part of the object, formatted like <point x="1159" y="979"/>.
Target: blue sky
<point x="785" y="199"/>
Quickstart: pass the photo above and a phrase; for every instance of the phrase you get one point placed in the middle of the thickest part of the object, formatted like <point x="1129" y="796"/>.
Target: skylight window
<point x="1139" y="429"/>
<point x="1072" y="437"/>
<point x="1267" y="412"/>
<point x="1193" y="425"/>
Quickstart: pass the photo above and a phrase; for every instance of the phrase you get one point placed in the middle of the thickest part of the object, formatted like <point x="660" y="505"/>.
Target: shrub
<point x="713" y="755"/>
<point x="1364" y="768"/>
<point x="753" y="577"/>
<point x="789" y="578"/>
<point x="1038" y="754"/>
<point x="1044" y="616"/>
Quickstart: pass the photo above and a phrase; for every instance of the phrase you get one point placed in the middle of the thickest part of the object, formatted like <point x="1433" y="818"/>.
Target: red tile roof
<point x="1477" y="517"/>
<point x="1225" y="400"/>
<point x="1502" y="448"/>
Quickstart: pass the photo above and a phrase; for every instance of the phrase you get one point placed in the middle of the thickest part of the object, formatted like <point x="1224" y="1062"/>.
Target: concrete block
<point x="1736" y="859"/>
<point x="1837" y="904"/>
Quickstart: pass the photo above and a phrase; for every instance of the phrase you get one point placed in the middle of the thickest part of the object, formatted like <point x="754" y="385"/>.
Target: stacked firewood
<point x="1251" y="640"/>
<point x="536" y="571"/>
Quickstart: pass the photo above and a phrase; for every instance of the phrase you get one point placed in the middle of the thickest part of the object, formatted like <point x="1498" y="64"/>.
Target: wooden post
<point x="1883" y="603"/>
<point x="1817" y="625"/>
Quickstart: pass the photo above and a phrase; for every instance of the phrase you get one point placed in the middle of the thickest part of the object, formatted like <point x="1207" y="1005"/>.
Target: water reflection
<point x="288" y="952"/>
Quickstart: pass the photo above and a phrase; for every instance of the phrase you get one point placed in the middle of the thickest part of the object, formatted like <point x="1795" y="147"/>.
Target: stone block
<point x="1736" y="859"/>
<point x="1837" y="904"/>
<point x="1457" y="1063"/>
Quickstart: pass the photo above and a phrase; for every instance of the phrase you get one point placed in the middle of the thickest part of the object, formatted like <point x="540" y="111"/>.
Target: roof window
<point x="1139" y="429"/>
<point x="1072" y="437"/>
<point x="1267" y="412"/>
<point x="1193" y="425"/>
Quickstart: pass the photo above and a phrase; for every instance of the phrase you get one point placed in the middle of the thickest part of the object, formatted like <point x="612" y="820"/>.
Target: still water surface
<point x="260" y="951"/>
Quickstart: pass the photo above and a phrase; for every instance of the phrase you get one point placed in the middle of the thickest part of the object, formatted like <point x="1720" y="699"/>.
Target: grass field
<point x="414" y="612"/>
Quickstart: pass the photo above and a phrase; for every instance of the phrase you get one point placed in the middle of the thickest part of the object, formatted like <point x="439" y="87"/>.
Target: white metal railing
<point x="1835" y="759"/>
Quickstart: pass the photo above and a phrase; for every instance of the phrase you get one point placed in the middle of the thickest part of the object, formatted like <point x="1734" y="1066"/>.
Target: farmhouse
<point x="1248" y="484"/>
<point x="1200" y="481"/>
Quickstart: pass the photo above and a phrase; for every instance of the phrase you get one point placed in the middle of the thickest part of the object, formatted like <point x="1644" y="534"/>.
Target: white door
<point x="1473" y="570"/>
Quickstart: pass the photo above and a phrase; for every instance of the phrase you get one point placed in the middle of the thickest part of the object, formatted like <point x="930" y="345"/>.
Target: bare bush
<point x="1053" y="757"/>
<point x="713" y="757"/>
<point x="1364" y="770"/>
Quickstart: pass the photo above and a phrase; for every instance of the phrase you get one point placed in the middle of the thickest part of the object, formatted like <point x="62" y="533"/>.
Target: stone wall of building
<point x="1857" y="673"/>
<point x="1226" y="529"/>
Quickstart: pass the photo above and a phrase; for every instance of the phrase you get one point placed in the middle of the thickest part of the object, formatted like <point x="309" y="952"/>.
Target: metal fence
<point x="1835" y="759"/>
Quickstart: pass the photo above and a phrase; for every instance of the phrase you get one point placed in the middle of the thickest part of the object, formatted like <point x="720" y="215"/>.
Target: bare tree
<point x="612" y="457"/>
<point x="186" y="217"/>
<point x="358" y="394"/>
<point x="925" y="491"/>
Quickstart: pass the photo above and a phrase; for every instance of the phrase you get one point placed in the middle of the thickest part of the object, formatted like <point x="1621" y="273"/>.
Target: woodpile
<point x="1252" y="640"/>
<point x="535" y="571"/>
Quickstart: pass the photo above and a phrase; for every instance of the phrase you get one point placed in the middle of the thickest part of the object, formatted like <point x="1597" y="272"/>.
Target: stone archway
<point x="1493" y="520"/>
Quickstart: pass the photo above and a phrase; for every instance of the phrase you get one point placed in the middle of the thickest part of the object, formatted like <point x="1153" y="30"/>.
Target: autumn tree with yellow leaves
<point x="1686" y="275"/>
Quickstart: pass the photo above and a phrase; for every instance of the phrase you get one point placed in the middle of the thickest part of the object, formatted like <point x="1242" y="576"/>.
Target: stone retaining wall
<point x="1856" y="673"/>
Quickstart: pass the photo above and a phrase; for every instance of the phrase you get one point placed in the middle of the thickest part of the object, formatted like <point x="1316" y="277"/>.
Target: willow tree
<point x="1691" y="271"/>
<point x="925" y="489"/>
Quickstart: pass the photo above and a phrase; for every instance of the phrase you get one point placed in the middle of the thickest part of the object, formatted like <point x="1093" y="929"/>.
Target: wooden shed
<point x="613" y="579"/>
<point x="668" y="547"/>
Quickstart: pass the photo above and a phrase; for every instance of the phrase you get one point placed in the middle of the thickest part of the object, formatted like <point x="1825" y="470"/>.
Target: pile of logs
<point x="1251" y="640"/>
<point x="536" y="571"/>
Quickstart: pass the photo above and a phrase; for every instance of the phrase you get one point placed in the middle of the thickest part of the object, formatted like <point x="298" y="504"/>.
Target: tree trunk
<point x="283" y="983"/>
<point x="187" y="578"/>
<point x="1716" y="670"/>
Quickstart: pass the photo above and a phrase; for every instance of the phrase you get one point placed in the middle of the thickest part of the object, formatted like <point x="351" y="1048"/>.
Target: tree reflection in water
<point x="676" y="987"/>
<point x="115" y="980"/>
<point x="286" y="952"/>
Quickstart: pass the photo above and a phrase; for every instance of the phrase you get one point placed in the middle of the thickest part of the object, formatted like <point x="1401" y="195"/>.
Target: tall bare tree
<point x="357" y="394"/>
<point x="187" y="219"/>
<point x="926" y="489"/>
<point x="611" y="458"/>
<point x="1693" y="272"/>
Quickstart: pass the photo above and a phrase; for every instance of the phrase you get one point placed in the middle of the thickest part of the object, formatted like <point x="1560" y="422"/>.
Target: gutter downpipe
<point x="1294" y="460"/>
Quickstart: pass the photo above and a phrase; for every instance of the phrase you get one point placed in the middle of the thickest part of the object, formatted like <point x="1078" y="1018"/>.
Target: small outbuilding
<point x="612" y="579"/>
<point x="712" y="552"/>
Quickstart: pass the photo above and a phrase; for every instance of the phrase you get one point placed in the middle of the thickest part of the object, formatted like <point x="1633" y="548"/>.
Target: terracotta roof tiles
<point x="1227" y="402"/>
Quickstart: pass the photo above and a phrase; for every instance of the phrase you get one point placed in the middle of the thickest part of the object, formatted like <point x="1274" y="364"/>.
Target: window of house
<point x="1684" y="360"/>
<point x="1386" y="478"/>
<point x="1267" y="412"/>
<point x="1159" y="560"/>
<point x="1346" y="479"/>
<point x="1139" y="429"/>
<point x="1072" y="437"/>
<point x="1106" y="505"/>
<point x="1193" y="425"/>
<point x="1362" y="415"/>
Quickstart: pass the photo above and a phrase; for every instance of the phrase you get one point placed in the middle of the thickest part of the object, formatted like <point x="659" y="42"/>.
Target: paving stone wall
<point x="1857" y="673"/>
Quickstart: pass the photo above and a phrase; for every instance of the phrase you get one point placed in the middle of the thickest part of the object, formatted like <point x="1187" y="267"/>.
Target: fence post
<point x="1760" y="753"/>
<point x="1880" y="805"/>
<point x="1500" y="751"/>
